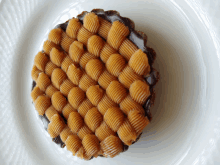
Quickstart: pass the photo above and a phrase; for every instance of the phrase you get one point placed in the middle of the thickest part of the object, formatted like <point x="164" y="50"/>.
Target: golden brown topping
<point x="93" y="119"/>
<point x="48" y="45"/>
<point x="116" y="91"/>
<point x="76" y="82"/>
<point x="66" y="42"/>
<point x="36" y="92"/>
<point x="57" y="56"/>
<point x="84" y="35"/>
<point x="50" y="66"/>
<point x="76" y="51"/>
<point x="114" y="117"/>
<point x="138" y="121"/>
<point x="106" y="52"/>
<point x="40" y="61"/>
<point x="117" y="34"/>
<point x="105" y="104"/>
<point x="43" y="81"/>
<point x="76" y="97"/>
<point x="73" y="27"/>
<point x="128" y="76"/>
<point x="85" y="59"/>
<point x="84" y="107"/>
<point x="55" y="35"/>
<point x="58" y="76"/>
<point x="91" y="144"/>
<point x="139" y="91"/>
<point x="94" y="94"/>
<point x="91" y="22"/>
<point x="75" y="122"/>
<point x="104" y="131"/>
<point x="112" y="146"/>
<point x="50" y="112"/>
<point x="127" y="133"/>
<point x="67" y="61"/>
<point x="35" y="73"/>
<point x="41" y="104"/>
<point x="65" y="133"/>
<point x="139" y="62"/>
<point x="95" y="45"/>
<point x="84" y="131"/>
<point x="127" y="49"/>
<point x="51" y="90"/>
<point x="81" y="153"/>
<point x="55" y="126"/>
<point x="86" y="81"/>
<point x="58" y="101"/>
<point x="73" y="143"/>
<point x="105" y="79"/>
<point x="115" y="64"/>
<point x="94" y="69"/>
<point x="129" y="104"/>
<point x="66" y="86"/>
<point x="67" y="110"/>
<point x="104" y="28"/>
<point x="74" y="74"/>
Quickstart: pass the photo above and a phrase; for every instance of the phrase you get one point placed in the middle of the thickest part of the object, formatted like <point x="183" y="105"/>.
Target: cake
<point x="93" y="84"/>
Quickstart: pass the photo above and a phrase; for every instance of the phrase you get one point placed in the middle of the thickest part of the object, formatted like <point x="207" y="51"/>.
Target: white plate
<point x="186" y="124"/>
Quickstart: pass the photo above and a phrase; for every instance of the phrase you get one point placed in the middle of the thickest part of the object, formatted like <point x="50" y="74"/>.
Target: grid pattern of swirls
<point x="73" y="83"/>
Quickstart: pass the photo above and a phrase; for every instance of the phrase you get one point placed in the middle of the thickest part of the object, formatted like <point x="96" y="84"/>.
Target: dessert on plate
<point x="93" y="84"/>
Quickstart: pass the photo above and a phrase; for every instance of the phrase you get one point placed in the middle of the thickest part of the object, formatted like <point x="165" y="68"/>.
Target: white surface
<point x="186" y="124"/>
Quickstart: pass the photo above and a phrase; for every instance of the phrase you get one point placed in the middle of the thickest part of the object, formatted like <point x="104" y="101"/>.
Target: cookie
<point x="93" y="84"/>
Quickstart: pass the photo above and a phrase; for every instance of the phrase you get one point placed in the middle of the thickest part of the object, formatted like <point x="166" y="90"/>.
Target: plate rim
<point x="20" y="23"/>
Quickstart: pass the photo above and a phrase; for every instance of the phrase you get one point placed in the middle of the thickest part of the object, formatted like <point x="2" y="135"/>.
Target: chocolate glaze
<point x="33" y="85"/>
<point x="91" y="158"/>
<point x="63" y="26"/>
<point x="152" y="78"/>
<point x="45" y="121"/>
<point x="63" y="118"/>
<point x="146" y="107"/>
<point x="81" y="16"/>
<point x="139" y="136"/>
<point x="151" y="55"/>
<point x="140" y="40"/>
<point x="125" y="148"/>
<point x="59" y="142"/>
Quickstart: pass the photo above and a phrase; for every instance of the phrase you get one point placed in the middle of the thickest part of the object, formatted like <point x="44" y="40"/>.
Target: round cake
<point x="93" y="84"/>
